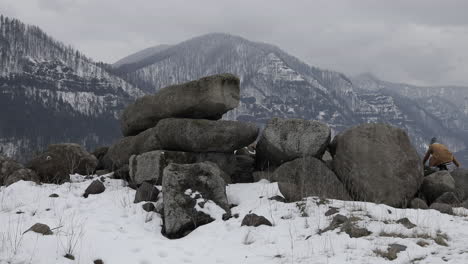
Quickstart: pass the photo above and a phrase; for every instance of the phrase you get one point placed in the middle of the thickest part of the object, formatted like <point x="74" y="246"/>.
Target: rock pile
<point x="174" y="138"/>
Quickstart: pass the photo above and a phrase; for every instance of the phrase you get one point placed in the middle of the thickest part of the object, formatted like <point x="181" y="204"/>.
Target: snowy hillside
<point x="55" y="90"/>
<point x="110" y="227"/>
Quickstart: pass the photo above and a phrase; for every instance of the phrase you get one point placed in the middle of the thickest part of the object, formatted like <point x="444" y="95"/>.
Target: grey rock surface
<point x="377" y="163"/>
<point x="208" y="98"/>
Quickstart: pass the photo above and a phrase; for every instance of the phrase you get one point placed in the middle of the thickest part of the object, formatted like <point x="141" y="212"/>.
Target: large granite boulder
<point x="460" y="175"/>
<point x="60" y="160"/>
<point x="7" y="167"/>
<point x="208" y="98"/>
<point x="436" y="184"/>
<point x="201" y="135"/>
<point x="149" y="166"/>
<point x="377" y="163"/>
<point x="287" y="139"/>
<point x="304" y="177"/>
<point x="22" y="175"/>
<point x="119" y="153"/>
<point x="193" y="195"/>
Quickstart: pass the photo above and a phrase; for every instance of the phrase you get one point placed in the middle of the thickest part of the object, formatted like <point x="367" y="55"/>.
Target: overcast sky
<point x="416" y="41"/>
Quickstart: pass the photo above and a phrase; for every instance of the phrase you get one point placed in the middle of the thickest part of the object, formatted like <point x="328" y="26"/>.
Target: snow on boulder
<point x="377" y="163"/>
<point x="436" y="184"/>
<point x="149" y="166"/>
<point x="306" y="177"/>
<point x="283" y="140"/>
<point x="60" y="160"/>
<point x="201" y="135"/>
<point x="193" y="195"/>
<point x="209" y="98"/>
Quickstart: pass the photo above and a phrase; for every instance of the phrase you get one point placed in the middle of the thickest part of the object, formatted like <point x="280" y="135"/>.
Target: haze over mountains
<point x="52" y="93"/>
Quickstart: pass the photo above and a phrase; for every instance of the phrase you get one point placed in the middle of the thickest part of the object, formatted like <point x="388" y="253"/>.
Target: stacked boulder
<point x="179" y="125"/>
<point x="369" y="162"/>
<point x="174" y="138"/>
<point x="290" y="150"/>
<point x="443" y="190"/>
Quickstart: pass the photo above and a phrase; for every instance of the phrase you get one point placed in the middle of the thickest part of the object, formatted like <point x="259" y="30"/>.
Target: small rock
<point x="98" y="261"/>
<point x="54" y="195"/>
<point x="418" y="203"/>
<point x="40" y="228"/>
<point x="443" y="208"/>
<point x="406" y="223"/>
<point x="354" y="231"/>
<point x="255" y="220"/>
<point x="393" y="250"/>
<point x="336" y="222"/>
<point x="332" y="211"/>
<point x="149" y="207"/>
<point x="277" y="198"/>
<point x="96" y="187"/>
<point x="69" y="256"/>
<point x="448" y="198"/>
<point x="146" y="192"/>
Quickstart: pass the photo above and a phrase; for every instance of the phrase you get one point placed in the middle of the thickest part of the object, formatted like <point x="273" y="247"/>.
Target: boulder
<point x="60" y="160"/>
<point x="377" y="163"/>
<point x="201" y="135"/>
<point x="460" y="175"/>
<point x="7" y="167"/>
<point x="255" y="220"/>
<point x="208" y="98"/>
<point x="304" y="177"/>
<point x="283" y="140"/>
<point x="443" y="208"/>
<point x="99" y="153"/>
<point x="96" y="187"/>
<point x="193" y="195"/>
<point x="149" y="166"/>
<point x="119" y="153"/>
<point x="148" y="207"/>
<point x="22" y="175"/>
<point x="436" y="184"/>
<point x="40" y="228"/>
<point x="147" y="193"/>
<point x="448" y="198"/>
<point x="418" y="203"/>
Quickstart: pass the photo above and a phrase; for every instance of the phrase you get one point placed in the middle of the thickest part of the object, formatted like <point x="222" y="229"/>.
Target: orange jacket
<point x="440" y="155"/>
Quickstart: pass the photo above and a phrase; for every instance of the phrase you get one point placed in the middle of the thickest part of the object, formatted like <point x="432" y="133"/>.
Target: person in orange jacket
<point x="440" y="156"/>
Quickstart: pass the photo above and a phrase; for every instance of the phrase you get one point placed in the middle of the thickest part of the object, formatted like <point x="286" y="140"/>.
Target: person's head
<point x="433" y="140"/>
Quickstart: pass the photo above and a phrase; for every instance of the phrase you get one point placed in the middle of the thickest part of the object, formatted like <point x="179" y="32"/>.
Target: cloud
<point x="418" y="41"/>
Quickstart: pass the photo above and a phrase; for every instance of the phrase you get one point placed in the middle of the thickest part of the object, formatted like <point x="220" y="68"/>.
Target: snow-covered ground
<point x="109" y="226"/>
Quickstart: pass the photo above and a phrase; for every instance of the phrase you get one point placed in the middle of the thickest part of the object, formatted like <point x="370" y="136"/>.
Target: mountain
<point x="274" y="83"/>
<point x="443" y="110"/>
<point x="52" y="93"/>
<point x="137" y="56"/>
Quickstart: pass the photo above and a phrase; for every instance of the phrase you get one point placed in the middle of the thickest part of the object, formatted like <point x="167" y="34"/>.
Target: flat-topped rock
<point x="202" y="135"/>
<point x="208" y="98"/>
